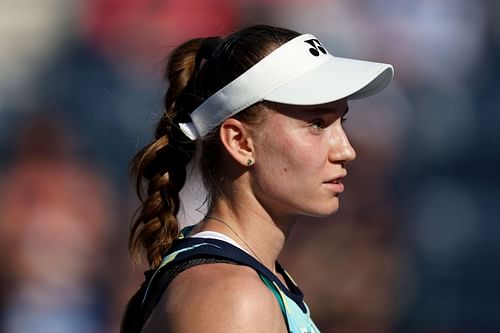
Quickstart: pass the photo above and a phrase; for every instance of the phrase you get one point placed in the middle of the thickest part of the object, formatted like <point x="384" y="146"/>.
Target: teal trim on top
<point x="277" y="294"/>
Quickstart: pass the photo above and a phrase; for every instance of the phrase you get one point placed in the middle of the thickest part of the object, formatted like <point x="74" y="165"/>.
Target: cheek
<point x="287" y="154"/>
<point x="293" y="158"/>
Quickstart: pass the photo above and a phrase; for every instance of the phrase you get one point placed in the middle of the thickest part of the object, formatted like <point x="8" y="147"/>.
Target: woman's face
<point x="300" y="155"/>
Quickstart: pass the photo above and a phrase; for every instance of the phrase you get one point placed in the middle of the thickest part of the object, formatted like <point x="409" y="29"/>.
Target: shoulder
<point x="219" y="298"/>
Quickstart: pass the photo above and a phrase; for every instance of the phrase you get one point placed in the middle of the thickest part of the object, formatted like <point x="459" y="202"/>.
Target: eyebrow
<point x="329" y="110"/>
<point x="310" y="111"/>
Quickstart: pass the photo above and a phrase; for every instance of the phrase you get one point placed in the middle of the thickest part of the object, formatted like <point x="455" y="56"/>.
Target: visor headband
<point x="290" y="60"/>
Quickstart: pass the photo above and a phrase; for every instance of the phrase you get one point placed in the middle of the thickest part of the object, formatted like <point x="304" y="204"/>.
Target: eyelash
<point x="320" y="123"/>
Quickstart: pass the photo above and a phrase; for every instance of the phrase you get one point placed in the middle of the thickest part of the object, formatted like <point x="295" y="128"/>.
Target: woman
<point x="264" y="109"/>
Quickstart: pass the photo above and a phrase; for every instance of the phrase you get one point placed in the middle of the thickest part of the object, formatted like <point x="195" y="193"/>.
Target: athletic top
<point x="186" y="252"/>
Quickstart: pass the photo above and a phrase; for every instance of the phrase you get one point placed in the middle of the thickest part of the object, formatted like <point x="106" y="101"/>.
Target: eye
<point x="318" y="124"/>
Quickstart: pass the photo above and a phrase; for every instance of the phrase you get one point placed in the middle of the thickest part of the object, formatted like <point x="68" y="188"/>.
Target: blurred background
<point x="416" y="244"/>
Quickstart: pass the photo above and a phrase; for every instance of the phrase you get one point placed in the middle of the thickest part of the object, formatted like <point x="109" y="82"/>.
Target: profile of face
<point x="300" y="159"/>
<point x="294" y="157"/>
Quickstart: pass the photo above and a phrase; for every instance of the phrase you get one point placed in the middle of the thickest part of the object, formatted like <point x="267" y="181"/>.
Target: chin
<point x="328" y="214"/>
<point x="324" y="211"/>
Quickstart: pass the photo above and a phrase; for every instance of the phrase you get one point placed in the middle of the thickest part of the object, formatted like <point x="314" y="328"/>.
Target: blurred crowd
<point x="416" y="244"/>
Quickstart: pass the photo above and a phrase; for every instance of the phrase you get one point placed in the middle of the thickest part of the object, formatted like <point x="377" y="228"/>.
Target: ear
<point x="237" y="140"/>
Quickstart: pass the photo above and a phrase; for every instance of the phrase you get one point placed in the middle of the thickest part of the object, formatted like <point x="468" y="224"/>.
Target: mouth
<point x="335" y="184"/>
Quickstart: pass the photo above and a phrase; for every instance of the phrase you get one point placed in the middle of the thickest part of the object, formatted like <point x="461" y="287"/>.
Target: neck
<point x="253" y="229"/>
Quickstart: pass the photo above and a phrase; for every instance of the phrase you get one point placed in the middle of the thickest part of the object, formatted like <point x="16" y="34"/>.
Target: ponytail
<point x="159" y="168"/>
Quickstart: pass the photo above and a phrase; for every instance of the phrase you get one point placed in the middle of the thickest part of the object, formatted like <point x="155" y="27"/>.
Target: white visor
<point x="300" y="72"/>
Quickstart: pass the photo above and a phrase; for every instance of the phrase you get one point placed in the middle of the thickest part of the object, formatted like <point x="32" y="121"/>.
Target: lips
<point x="335" y="184"/>
<point x="337" y="179"/>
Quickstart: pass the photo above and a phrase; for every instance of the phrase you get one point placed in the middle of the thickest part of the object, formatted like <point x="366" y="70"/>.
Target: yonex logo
<point x="316" y="47"/>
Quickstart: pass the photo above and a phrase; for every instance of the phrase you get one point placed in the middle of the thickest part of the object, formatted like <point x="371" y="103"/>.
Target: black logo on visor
<point x="316" y="47"/>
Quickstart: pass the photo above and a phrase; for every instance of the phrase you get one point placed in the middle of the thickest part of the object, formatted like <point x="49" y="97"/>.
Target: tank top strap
<point x="289" y="296"/>
<point x="185" y="248"/>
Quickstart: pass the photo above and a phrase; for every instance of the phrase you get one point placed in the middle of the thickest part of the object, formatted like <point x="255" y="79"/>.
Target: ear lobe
<point x="234" y="135"/>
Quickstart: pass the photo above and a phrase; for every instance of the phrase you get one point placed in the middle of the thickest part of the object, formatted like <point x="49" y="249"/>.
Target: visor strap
<point x="189" y="130"/>
<point x="292" y="59"/>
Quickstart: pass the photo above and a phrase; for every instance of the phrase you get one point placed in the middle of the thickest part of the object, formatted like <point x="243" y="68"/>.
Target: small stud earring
<point x="250" y="162"/>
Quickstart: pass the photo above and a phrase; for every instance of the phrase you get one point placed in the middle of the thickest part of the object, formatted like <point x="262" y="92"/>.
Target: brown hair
<point x="160" y="167"/>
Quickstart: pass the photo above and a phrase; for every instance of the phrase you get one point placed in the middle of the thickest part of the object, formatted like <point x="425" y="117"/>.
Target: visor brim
<point x="335" y="79"/>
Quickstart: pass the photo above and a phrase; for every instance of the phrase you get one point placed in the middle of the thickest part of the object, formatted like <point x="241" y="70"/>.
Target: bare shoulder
<point x="218" y="298"/>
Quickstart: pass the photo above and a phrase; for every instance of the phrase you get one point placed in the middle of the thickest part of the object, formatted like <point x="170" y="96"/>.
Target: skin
<point x="303" y="150"/>
<point x="298" y="152"/>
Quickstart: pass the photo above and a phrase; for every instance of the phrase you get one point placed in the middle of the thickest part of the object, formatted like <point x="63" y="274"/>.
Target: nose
<point x="340" y="147"/>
